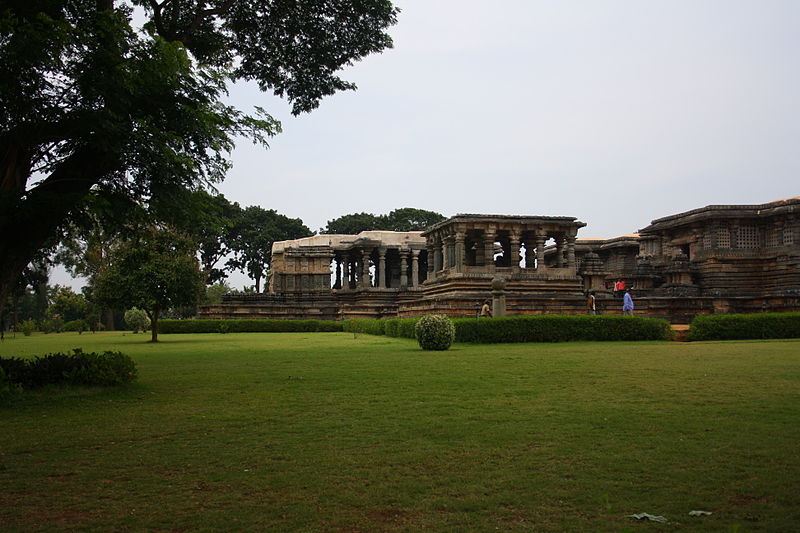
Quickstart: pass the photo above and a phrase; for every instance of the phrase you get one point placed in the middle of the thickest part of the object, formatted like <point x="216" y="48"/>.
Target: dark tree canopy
<point x="410" y="219"/>
<point x="405" y="219"/>
<point x="251" y="237"/>
<point x="352" y="224"/>
<point x="88" y="103"/>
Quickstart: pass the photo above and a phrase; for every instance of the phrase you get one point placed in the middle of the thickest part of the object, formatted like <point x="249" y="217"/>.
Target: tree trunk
<point x="28" y="219"/>
<point x="154" y="324"/>
<point x="109" y="319"/>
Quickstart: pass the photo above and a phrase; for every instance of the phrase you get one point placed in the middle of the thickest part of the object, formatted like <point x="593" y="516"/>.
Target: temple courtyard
<point x="336" y="432"/>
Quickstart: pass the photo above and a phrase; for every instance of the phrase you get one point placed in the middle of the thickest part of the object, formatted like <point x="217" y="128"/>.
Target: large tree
<point x="154" y="271"/>
<point x="404" y="219"/>
<point x="88" y="102"/>
<point x="252" y="234"/>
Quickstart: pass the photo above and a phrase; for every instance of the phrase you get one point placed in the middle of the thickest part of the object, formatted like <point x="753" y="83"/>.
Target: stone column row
<point x="449" y="252"/>
<point x="352" y="272"/>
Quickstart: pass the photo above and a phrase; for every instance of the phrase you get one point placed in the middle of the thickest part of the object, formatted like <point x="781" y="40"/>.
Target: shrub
<point x="246" y="325"/>
<point x="49" y="369"/>
<point x="561" y="328"/>
<point x="27" y="327"/>
<point x="539" y="328"/>
<point x="51" y="325"/>
<point x="78" y="367"/>
<point x="137" y="320"/>
<point x="104" y="369"/>
<point x="75" y="325"/>
<point x="435" y="332"/>
<point x="8" y="389"/>
<point x="15" y="369"/>
<point x="745" y="326"/>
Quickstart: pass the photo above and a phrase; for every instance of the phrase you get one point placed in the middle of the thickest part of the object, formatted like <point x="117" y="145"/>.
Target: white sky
<point x="615" y="112"/>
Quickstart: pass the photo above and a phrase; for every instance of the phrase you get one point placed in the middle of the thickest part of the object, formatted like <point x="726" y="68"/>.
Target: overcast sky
<point x="616" y="112"/>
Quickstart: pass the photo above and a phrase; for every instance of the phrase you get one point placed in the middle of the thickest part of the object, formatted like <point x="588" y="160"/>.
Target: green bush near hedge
<point x="746" y="326"/>
<point x="435" y="332"/>
<point x="246" y="325"/>
<point x="539" y="328"/>
<point x="76" y="368"/>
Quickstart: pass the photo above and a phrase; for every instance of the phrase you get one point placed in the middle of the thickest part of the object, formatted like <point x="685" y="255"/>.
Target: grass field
<point x="331" y="432"/>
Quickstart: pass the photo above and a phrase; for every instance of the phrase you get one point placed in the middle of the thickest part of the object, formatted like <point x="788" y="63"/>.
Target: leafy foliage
<point x="555" y="328"/>
<point x="435" y="332"/>
<point x="745" y="326"/>
<point x="155" y="271"/>
<point x="77" y="368"/>
<point x="68" y="305"/>
<point x="91" y="103"/>
<point x="137" y="320"/>
<point x="251" y="236"/>
<point x="405" y="219"/>
<point x="8" y="390"/>
<point x="27" y="327"/>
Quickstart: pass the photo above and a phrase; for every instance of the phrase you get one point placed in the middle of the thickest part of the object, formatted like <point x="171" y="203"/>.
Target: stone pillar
<point x="365" y="268"/>
<point x="445" y="262"/>
<point x="488" y="243"/>
<point x="540" y="240"/>
<point x="431" y="259"/>
<point x="381" y="273"/>
<point x="513" y="239"/>
<point x="460" y="252"/>
<point x="530" y="256"/>
<point x="571" y="252"/>
<point x="560" y="251"/>
<point x="734" y="232"/>
<point x="345" y="272"/>
<point x="437" y="255"/>
<point x="338" y="283"/>
<point x="403" y="269"/>
<point x="415" y="268"/>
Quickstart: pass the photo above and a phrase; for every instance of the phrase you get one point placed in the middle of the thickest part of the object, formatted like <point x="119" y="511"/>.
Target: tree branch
<point x="201" y="16"/>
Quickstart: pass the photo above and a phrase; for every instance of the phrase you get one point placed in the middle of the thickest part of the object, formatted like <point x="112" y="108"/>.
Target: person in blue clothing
<point x="627" y="303"/>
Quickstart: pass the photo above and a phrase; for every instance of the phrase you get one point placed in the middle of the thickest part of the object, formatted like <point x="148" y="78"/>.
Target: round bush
<point x="137" y="320"/>
<point x="435" y="332"/>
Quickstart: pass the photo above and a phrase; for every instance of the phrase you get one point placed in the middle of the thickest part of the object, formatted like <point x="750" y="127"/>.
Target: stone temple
<point x="719" y="258"/>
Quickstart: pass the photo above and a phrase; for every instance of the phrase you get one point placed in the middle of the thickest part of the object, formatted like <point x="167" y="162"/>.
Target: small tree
<point x="137" y="320"/>
<point x="153" y="272"/>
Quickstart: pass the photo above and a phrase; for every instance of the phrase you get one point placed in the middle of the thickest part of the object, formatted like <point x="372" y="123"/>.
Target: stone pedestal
<point x="498" y="297"/>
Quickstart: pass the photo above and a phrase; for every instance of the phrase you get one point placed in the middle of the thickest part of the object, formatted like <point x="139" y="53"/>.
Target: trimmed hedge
<point x="561" y="328"/>
<point x="77" y="368"/>
<point x="370" y="326"/>
<point x="745" y="326"/>
<point x="538" y="328"/>
<point x="246" y="325"/>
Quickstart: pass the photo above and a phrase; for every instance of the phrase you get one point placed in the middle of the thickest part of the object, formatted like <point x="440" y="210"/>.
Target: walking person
<point x="627" y="303"/>
<point x="486" y="310"/>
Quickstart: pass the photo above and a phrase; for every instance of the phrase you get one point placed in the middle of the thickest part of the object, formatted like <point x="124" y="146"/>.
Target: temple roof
<point x="726" y="211"/>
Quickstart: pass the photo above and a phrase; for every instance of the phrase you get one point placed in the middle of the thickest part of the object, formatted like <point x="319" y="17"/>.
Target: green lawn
<point x="331" y="432"/>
